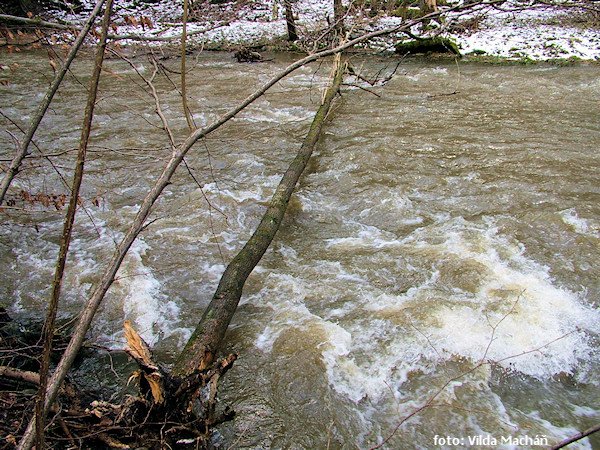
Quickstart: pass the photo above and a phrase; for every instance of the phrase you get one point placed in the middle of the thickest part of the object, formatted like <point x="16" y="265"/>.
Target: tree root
<point x="167" y="412"/>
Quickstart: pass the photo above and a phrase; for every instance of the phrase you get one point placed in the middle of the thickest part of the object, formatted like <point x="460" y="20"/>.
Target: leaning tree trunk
<point x="182" y="404"/>
<point x="200" y="350"/>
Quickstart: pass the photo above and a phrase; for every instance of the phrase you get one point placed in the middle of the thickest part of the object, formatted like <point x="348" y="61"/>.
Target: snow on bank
<point x="526" y="33"/>
<point x="531" y="34"/>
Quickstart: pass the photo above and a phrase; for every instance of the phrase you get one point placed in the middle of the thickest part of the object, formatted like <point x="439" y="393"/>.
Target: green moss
<point x="407" y="13"/>
<point x="432" y="45"/>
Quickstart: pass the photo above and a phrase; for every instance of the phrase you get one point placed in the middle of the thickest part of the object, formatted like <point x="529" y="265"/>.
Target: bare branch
<point x="38" y="23"/>
<point x="22" y="151"/>
<point x="577" y="437"/>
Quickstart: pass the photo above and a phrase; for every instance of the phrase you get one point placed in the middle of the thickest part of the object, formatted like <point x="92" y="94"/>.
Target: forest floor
<point x="537" y="33"/>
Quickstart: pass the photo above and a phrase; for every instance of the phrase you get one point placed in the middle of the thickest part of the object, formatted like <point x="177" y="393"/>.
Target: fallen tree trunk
<point x="188" y="395"/>
<point x="200" y="350"/>
<point x="34" y="22"/>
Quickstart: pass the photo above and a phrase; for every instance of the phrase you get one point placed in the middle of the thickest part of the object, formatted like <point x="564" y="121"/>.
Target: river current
<point x="441" y="248"/>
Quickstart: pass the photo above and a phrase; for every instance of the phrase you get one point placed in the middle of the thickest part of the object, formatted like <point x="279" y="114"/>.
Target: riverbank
<point x="513" y="32"/>
<point x="487" y="33"/>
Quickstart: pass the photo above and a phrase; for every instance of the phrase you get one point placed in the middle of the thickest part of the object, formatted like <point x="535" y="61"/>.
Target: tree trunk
<point x="50" y="321"/>
<point x="289" y="19"/>
<point x="200" y="350"/>
<point x="186" y="109"/>
<point x="338" y="16"/>
<point x="429" y="6"/>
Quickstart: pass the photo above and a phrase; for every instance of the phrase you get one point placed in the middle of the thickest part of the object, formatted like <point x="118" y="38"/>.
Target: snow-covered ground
<point x="533" y="33"/>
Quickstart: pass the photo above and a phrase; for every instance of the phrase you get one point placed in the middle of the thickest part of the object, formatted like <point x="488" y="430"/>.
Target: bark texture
<point x="200" y="350"/>
<point x="338" y="16"/>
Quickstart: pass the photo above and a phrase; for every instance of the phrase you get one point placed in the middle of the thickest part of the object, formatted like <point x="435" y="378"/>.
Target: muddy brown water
<point x="445" y="233"/>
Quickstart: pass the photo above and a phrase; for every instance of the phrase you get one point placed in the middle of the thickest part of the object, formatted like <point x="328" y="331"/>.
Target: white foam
<point x="543" y="313"/>
<point x="367" y="237"/>
<point x="281" y="116"/>
<point x="143" y="303"/>
<point x="546" y="334"/>
<point x="579" y="225"/>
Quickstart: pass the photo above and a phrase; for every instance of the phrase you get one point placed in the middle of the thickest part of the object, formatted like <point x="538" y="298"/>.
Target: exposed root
<point x="168" y="412"/>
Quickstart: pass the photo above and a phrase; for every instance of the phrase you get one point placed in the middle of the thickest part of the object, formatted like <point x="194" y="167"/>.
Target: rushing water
<point x="453" y="220"/>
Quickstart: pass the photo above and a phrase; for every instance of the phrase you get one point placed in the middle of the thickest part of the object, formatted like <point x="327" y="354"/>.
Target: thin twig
<point x="482" y="362"/>
<point x="22" y="152"/>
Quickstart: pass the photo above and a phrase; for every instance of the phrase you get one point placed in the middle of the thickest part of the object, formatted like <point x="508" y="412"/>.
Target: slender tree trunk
<point x="186" y="109"/>
<point x="200" y="350"/>
<point x="338" y="16"/>
<point x="49" y="324"/>
<point x="428" y="6"/>
<point x="289" y="19"/>
<point x="24" y="144"/>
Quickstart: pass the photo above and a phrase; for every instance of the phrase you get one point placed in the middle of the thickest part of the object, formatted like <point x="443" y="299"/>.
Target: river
<point x="443" y="240"/>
